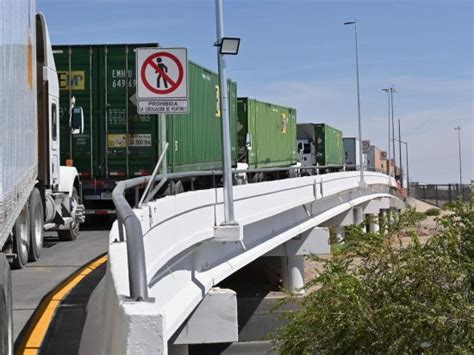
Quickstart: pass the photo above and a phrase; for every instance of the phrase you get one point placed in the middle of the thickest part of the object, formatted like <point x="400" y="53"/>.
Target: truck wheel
<point x="178" y="188"/>
<point x="6" y="322"/>
<point x="73" y="232"/>
<point x="21" y="239"/>
<point x="169" y="190"/>
<point x="36" y="225"/>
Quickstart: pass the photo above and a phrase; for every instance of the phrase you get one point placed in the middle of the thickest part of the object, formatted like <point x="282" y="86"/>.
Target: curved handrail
<point x="127" y="218"/>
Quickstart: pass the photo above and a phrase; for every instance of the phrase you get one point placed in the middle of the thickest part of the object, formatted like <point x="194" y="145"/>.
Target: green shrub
<point x="384" y="300"/>
<point x="432" y="212"/>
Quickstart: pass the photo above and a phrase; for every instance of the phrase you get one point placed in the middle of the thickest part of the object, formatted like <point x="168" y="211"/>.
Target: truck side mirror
<point x="248" y="141"/>
<point x="76" y="122"/>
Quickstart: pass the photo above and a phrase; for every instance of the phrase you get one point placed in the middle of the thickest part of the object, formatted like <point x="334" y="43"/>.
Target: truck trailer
<point x="117" y="142"/>
<point x="266" y="134"/>
<point x="36" y="192"/>
<point x="375" y="161"/>
<point x="351" y="153"/>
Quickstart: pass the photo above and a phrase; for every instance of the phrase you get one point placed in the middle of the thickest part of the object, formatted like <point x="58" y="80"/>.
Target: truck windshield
<point x="306" y="148"/>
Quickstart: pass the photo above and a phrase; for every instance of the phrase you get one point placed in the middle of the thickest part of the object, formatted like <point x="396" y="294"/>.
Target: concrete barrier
<point x="184" y="260"/>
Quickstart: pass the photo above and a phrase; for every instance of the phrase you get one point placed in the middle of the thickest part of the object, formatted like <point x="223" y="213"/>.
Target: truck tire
<point x="21" y="239"/>
<point x="73" y="232"/>
<point x="178" y="188"/>
<point x="6" y="320"/>
<point x="36" y="225"/>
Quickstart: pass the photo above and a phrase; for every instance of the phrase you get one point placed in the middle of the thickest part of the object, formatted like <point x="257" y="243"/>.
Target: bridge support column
<point x="340" y="233"/>
<point x="181" y="349"/>
<point x="293" y="273"/>
<point x="383" y="220"/>
<point x="374" y="223"/>
<point x="365" y="223"/>
<point x="291" y="253"/>
<point x="393" y="217"/>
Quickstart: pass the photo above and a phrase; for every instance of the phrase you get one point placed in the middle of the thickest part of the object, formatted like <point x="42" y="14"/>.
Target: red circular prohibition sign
<point x="173" y="84"/>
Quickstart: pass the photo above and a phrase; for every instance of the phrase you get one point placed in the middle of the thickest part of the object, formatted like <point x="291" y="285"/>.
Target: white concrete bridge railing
<point x="185" y="257"/>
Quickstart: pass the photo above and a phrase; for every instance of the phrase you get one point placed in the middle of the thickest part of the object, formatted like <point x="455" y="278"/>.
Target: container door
<point x="320" y="144"/>
<point x="252" y="128"/>
<point x="233" y="120"/>
<point x="116" y="73"/>
<point x="131" y="139"/>
<point x="334" y="146"/>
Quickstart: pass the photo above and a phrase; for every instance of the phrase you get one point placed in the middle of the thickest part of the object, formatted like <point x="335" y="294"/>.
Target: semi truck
<point x="320" y="144"/>
<point x="36" y="193"/>
<point x="117" y="142"/>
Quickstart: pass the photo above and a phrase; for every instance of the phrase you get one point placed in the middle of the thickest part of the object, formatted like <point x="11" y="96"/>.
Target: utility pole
<point x="460" y="160"/>
<point x="361" y="182"/>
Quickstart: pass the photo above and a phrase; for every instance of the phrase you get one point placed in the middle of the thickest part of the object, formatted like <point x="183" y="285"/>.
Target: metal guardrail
<point x="137" y="277"/>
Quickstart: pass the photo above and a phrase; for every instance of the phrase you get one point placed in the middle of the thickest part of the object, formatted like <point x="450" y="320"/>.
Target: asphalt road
<point x="58" y="261"/>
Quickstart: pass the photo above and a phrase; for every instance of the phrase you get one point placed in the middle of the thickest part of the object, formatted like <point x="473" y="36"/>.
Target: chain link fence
<point x="439" y="194"/>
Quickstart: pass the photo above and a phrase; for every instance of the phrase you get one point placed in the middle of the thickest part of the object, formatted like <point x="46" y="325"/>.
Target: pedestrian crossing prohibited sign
<point x="162" y="80"/>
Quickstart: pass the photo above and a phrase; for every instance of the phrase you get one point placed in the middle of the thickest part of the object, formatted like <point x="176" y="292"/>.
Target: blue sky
<point x="298" y="53"/>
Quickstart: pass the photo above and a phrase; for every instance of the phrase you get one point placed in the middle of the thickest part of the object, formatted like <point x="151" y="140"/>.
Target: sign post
<point x="162" y="85"/>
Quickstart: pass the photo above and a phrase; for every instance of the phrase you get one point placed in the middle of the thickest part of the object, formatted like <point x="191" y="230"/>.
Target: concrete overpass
<point x="186" y="255"/>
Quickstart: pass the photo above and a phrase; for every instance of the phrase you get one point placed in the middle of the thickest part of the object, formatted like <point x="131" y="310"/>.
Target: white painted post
<point x="293" y="273"/>
<point x="374" y="223"/>
<point x="382" y="217"/>
<point x="364" y="223"/>
<point x="340" y="233"/>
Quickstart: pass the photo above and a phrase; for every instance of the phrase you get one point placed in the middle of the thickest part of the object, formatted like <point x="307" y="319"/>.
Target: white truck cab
<point x="306" y="152"/>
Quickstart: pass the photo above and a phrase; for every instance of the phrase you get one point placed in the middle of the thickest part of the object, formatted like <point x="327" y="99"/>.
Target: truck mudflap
<point x="6" y="320"/>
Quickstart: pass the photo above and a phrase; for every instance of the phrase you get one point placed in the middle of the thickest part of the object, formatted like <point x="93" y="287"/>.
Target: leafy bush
<point x="432" y="212"/>
<point x="373" y="298"/>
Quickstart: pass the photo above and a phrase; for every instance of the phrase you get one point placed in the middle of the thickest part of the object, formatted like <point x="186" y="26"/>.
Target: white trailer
<point x="351" y="152"/>
<point x="36" y="193"/>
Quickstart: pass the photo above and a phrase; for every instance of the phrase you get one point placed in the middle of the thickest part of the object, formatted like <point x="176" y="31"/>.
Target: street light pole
<point x="362" y="182"/>
<point x="460" y="160"/>
<point x="389" y="131"/>
<point x="229" y="218"/>
<point x="407" y="164"/>
<point x="408" y="170"/>
<point x="393" y="130"/>
<point x="400" y="152"/>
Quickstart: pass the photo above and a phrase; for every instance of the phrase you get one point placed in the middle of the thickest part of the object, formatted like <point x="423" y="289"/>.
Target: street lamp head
<point x="229" y="45"/>
<point x="390" y="89"/>
<point x="350" y="23"/>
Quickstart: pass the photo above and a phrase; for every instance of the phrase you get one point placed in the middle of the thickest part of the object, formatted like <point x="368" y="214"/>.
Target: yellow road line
<point x="45" y="312"/>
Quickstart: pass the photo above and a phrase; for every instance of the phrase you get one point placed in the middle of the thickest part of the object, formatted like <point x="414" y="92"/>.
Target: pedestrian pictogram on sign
<point x="162" y="85"/>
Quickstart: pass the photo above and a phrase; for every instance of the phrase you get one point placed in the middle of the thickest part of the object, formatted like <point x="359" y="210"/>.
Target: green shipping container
<point x="266" y="134"/>
<point x="327" y="140"/>
<point x="117" y="143"/>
